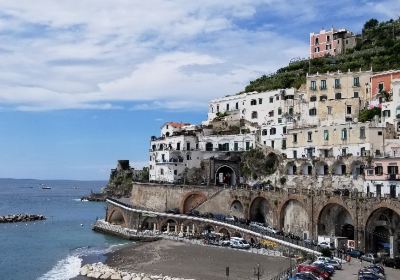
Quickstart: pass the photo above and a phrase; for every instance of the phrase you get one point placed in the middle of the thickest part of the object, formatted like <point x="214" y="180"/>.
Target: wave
<point x="65" y="269"/>
<point x="80" y="200"/>
<point x="69" y="267"/>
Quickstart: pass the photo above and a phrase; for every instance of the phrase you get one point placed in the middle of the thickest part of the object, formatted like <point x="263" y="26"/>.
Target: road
<point x="350" y="270"/>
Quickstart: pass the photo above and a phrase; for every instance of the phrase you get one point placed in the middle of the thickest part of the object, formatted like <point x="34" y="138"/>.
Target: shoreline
<point x="191" y="261"/>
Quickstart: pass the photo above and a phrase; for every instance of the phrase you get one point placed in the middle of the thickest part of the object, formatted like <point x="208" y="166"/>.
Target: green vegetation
<point x="326" y="252"/>
<point x="368" y="114"/>
<point x="378" y="47"/>
<point x="255" y="164"/>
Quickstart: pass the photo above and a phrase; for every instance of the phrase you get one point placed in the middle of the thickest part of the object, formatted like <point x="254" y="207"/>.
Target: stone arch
<point x="226" y="234"/>
<point x="291" y="168"/>
<point x="208" y="228"/>
<point x="339" y="168"/>
<point x="334" y="219"/>
<point x="236" y="209"/>
<point x="294" y="218"/>
<point x="117" y="217"/>
<point x="169" y="225"/>
<point x="261" y="211"/>
<point x="189" y="227"/>
<point x="306" y="168"/>
<point x="237" y="234"/>
<point x="191" y="201"/>
<point x="148" y="223"/>
<point x="271" y="162"/>
<point x="321" y="168"/>
<point x="382" y="230"/>
<point x="225" y="175"/>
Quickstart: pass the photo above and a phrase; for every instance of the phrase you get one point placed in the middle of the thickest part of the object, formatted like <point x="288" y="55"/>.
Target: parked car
<point x="324" y="267"/>
<point x="325" y="244"/>
<point x="239" y="243"/>
<point x="230" y="218"/>
<point x="225" y="243"/>
<point x="370" y="258"/>
<point x="371" y="274"/>
<point x="376" y="267"/>
<point x="392" y="262"/>
<point x="304" y="276"/>
<point x="315" y="270"/>
<point x="194" y="213"/>
<point x="356" y="253"/>
<point x="336" y="264"/>
<point x="173" y="211"/>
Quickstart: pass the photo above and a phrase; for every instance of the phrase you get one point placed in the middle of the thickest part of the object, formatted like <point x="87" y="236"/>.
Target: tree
<point x="368" y="114"/>
<point x="372" y="23"/>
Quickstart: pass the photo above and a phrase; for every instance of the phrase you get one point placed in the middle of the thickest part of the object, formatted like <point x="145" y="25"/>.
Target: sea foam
<point x="65" y="269"/>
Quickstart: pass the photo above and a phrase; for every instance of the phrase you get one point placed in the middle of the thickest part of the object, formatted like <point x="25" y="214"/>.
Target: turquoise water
<point x="51" y="249"/>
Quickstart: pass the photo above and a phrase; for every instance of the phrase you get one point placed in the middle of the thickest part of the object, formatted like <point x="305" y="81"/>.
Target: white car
<point x="324" y="244"/>
<point x="239" y="244"/>
<point x="336" y="264"/>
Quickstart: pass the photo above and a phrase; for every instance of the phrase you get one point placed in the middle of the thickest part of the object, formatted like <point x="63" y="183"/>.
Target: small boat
<point x="44" y="187"/>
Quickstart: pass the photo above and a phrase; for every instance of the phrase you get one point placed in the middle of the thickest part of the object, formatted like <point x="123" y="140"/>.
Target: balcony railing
<point x="393" y="177"/>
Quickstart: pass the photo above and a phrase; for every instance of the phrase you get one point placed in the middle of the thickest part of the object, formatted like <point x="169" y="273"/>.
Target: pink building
<point x="383" y="81"/>
<point x="331" y="42"/>
<point x="382" y="177"/>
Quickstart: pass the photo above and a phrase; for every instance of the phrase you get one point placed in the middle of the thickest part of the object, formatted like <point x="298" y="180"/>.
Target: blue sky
<point x="84" y="83"/>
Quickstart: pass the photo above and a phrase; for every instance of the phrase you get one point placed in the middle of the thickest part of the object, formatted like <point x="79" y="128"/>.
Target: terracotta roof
<point x="176" y="124"/>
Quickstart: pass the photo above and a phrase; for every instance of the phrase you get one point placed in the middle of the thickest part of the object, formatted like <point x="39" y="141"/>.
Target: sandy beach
<point x="179" y="259"/>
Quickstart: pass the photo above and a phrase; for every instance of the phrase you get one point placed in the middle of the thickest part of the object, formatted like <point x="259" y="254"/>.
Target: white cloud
<point x="170" y="55"/>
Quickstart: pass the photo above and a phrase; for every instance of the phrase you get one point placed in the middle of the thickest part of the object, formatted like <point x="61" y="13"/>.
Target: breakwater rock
<point x="17" y="218"/>
<point x="95" y="197"/>
<point x="102" y="271"/>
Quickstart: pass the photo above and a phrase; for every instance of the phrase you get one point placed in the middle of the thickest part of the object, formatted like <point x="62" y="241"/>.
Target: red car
<point x="314" y="270"/>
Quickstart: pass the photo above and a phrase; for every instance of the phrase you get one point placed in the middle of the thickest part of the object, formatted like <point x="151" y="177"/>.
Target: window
<point x="279" y="120"/>
<point x="227" y="107"/>
<point x="162" y="171"/>
<point x="356" y="95"/>
<point x="323" y="84"/>
<point x="254" y="115"/>
<point x="348" y="110"/>
<point x="253" y="102"/>
<point x="279" y="111"/>
<point x="209" y="146"/>
<point x="175" y="172"/>
<point x="316" y="41"/>
<point x="328" y="38"/>
<point x="294" y="138"/>
<point x="386" y="113"/>
<point x="329" y="110"/>
<point x="273" y="144"/>
<point x="247" y="146"/>
<point x="271" y="100"/>
<point x="356" y="81"/>
<point x="291" y="111"/>
<point x="265" y="132"/>
<point x="313" y="112"/>
<point x="187" y="157"/>
<point x="309" y="136"/>
<point x="271" y="113"/>
<point x="283" y="144"/>
<point x="313" y="85"/>
<point x="326" y="135"/>
<point x="259" y="100"/>
<point x="272" y="131"/>
<point x="379" y="170"/>
<point x="236" y="146"/>
<point x="381" y="87"/>
<point x="344" y="134"/>
<point x="337" y="83"/>
<point x="197" y="146"/>
<point x="237" y="106"/>
<point x="338" y="95"/>
<point x="217" y="108"/>
<point x="392" y="170"/>
<point x="327" y="47"/>
<point x="178" y="146"/>
<point x="277" y="97"/>
<point x="294" y="154"/>
<point x="313" y="98"/>
<point x="380" y="133"/>
<point x="188" y="146"/>
<point x="362" y="132"/>
<point x="323" y="98"/>
<point x="284" y="130"/>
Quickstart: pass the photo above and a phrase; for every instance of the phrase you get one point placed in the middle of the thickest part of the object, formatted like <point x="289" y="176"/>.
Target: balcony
<point x="393" y="177"/>
<point x="337" y="86"/>
<point x="323" y="88"/>
<point x="313" y="88"/>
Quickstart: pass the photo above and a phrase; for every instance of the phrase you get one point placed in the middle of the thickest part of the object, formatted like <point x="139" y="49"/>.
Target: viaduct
<point x="373" y="222"/>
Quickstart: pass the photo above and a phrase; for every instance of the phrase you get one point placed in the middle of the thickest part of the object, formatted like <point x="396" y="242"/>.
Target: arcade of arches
<point x="192" y="201"/>
<point x="117" y="218"/>
<point x="260" y="211"/>
<point x="295" y="219"/>
<point x="225" y="176"/>
<point x="335" y="220"/>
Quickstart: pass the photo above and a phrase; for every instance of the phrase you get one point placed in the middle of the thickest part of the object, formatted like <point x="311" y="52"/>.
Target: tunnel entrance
<point x="335" y="220"/>
<point x="382" y="232"/>
<point x="260" y="211"/>
<point x="117" y="218"/>
<point x="225" y="176"/>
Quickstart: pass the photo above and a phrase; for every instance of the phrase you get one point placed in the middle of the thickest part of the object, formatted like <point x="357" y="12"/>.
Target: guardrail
<point x="282" y="240"/>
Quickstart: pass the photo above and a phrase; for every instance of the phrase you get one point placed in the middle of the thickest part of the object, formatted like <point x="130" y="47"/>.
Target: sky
<point x="84" y="83"/>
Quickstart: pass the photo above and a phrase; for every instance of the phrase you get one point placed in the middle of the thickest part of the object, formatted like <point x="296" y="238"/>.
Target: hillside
<point x="378" y="47"/>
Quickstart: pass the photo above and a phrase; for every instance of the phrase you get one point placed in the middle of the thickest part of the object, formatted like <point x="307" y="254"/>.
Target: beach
<point x="190" y="261"/>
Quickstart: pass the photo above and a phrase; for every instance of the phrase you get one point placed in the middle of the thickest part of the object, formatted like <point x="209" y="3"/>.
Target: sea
<point x="54" y="248"/>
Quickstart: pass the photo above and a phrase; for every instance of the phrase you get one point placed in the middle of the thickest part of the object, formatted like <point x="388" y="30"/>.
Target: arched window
<point x="344" y="134"/>
<point x="254" y="115"/>
<point x="162" y="171"/>
<point x="209" y="146"/>
<point x="272" y="131"/>
<point x="265" y="132"/>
